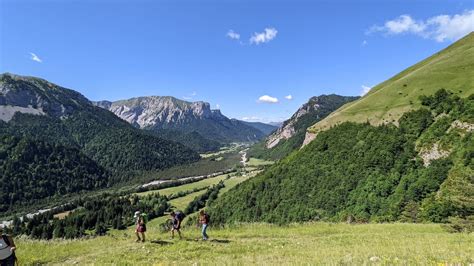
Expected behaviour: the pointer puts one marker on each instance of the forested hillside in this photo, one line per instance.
(419, 171)
(91, 146)
(35, 169)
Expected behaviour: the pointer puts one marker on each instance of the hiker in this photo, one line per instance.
(140, 223)
(7, 249)
(204, 221)
(177, 218)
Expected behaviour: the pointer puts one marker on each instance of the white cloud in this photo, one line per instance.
(34, 57)
(251, 118)
(233, 35)
(190, 96)
(289, 97)
(267, 99)
(365, 90)
(263, 37)
(439, 28)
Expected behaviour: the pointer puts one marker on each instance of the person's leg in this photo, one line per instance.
(172, 233)
(143, 236)
(10, 261)
(179, 232)
(204, 233)
(138, 235)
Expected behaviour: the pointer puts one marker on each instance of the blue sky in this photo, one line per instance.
(189, 49)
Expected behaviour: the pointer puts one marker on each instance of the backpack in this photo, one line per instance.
(144, 217)
(180, 216)
(208, 218)
(5, 238)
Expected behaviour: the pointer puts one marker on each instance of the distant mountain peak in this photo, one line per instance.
(166, 112)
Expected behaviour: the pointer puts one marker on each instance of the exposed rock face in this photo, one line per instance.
(156, 113)
(432, 154)
(462, 125)
(308, 138)
(36, 96)
(315, 109)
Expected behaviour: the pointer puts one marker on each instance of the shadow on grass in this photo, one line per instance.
(161, 242)
(221, 241)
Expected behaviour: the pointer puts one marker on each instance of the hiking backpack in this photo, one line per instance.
(180, 216)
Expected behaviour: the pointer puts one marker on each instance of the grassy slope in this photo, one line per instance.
(318, 243)
(452, 69)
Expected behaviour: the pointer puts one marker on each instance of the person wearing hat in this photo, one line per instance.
(140, 226)
(7, 249)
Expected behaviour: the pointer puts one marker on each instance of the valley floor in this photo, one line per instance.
(314, 243)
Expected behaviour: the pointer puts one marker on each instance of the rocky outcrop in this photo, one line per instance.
(433, 153)
(156, 111)
(314, 110)
(308, 138)
(36, 96)
(163, 113)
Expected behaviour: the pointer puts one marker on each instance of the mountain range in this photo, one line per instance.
(51, 134)
(159, 114)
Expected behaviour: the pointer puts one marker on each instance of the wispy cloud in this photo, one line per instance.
(289, 97)
(267, 99)
(233, 35)
(251, 118)
(34, 57)
(364, 42)
(365, 90)
(218, 106)
(439, 28)
(190, 96)
(263, 37)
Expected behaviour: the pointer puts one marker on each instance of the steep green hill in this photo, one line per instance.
(451, 68)
(376, 173)
(32, 170)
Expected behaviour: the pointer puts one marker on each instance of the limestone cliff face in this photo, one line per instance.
(314, 110)
(36, 96)
(157, 112)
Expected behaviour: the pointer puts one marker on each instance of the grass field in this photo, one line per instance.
(199, 184)
(315, 243)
